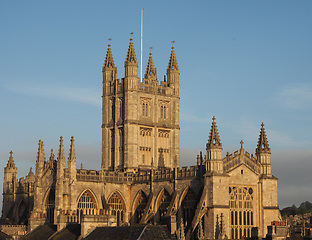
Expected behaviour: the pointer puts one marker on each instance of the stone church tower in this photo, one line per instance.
(140, 181)
(140, 120)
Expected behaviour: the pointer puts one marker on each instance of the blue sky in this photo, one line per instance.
(245, 62)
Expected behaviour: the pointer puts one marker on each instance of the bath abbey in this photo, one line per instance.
(140, 182)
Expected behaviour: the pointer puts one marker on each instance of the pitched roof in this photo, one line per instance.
(4, 236)
(71, 232)
(142, 232)
(42, 232)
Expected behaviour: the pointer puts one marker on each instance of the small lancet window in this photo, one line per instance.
(164, 112)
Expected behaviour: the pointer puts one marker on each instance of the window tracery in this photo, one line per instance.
(163, 148)
(141, 203)
(163, 109)
(145, 148)
(145, 104)
(241, 211)
(117, 207)
(188, 207)
(163, 203)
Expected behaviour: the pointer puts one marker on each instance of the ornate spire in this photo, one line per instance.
(109, 61)
(61, 155)
(52, 156)
(51, 159)
(150, 69)
(131, 57)
(11, 163)
(31, 174)
(263, 145)
(41, 154)
(173, 64)
(214, 139)
(72, 154)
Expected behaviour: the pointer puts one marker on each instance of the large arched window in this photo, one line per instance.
(163, 203)
(117, 207)
(50, 206)
(241, 208)
(139, 206)
(188, 207)
(87, 203)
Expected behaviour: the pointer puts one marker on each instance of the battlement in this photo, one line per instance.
(230, 161)
(163, 88)
(167, 174)
(88, 175)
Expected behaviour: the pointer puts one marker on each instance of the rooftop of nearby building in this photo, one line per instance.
(143, 232)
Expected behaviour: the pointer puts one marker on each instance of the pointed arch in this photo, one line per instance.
(87, 200)
(162, 203)
(22, 211)
(139, 205)
(117, 206)
(187, 203)
(182, 196)
(49, 204)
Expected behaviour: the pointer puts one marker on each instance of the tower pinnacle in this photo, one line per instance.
(214, 138)
(263, 145)
(72, 154)
(131, 57)
(61, 154)
(173, 64)
(109, 61)
(11, 163)
(150, 72)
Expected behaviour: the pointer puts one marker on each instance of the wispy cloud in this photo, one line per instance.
(298, 97)
(68, 93)
(193, 118)
(248, 128)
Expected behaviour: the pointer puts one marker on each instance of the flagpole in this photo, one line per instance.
(141, 43)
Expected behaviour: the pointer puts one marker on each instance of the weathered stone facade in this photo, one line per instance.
(140, 180)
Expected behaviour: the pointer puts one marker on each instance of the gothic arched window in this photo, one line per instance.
(50, 206)
(163, 203)
(140, 204)
(188, 207)
(241, 208)
(86, 203)
(117, 207)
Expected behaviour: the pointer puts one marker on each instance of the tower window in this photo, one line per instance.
(163, 111)
(144, 109)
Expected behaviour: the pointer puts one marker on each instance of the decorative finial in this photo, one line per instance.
(151, 48)
(72, 139)
(213, 118)
(242, 143)
(131, 34)
(109, 42)
(81, 166)
(11, 153)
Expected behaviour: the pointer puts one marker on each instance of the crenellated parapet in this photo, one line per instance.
(231, 161)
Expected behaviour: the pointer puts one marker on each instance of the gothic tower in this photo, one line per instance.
(217, 182)
(263, 153)
(140, 120)
(9, 184)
